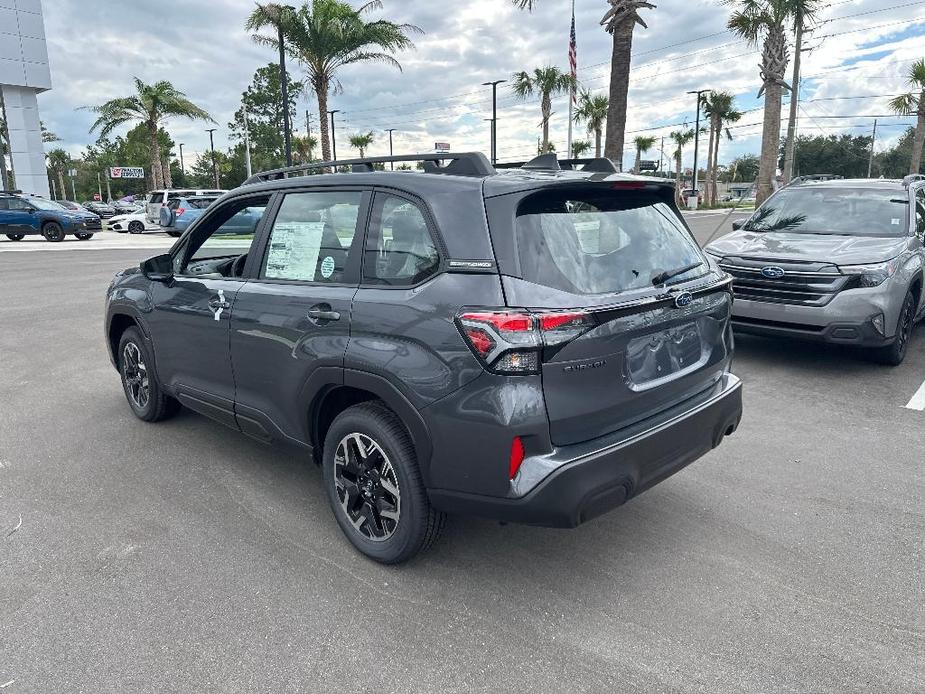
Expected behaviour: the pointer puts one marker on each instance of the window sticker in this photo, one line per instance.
(294, 250)
(895, 221)
(327, 267)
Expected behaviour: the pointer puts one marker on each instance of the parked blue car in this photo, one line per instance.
(22, 216)
(179, 213)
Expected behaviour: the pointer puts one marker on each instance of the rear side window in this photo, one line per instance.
(312, 237)
(602, 241)
(200, 203)
(156, 198)
(400, 250)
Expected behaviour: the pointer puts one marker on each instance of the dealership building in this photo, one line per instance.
(24, 73)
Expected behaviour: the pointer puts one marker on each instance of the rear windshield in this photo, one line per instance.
(818, 209)
(200, 203)
(602, 242)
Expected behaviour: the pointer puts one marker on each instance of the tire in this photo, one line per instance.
(53, 232)
(136, 227)
(84, 237)
(894, 353)
(175, 234)
(391, 481)
(16, 237)
(145, 396)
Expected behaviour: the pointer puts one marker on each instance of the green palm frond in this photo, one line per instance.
(592, 110)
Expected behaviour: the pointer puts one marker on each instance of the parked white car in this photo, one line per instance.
(134, 223)
(157, 199)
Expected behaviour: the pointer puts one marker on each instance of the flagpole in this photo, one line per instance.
(571, 96)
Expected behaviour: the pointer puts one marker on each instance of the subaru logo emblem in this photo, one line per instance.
(773, 272)
(683, 299)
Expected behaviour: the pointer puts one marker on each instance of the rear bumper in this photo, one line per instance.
(585, 484)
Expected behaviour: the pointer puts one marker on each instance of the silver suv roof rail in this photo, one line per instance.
(550, 162)
(814, 178)
(457, 164)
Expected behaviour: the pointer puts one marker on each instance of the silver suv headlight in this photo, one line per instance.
(871, 275)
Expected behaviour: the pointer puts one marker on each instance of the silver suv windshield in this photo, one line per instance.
(837, 210)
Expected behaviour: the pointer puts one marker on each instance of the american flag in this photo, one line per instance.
(573, 57)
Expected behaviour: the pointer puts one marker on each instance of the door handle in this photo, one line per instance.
(322, 314)
(216, 304)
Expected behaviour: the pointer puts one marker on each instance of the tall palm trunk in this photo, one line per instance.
(638, 158)
(619, 87)
(773, 66)
(321, 89)
(156, 170)
(714, 174)
(61, 187)
(708, 192)
(546, 106)
(918, 140)
(597, 143)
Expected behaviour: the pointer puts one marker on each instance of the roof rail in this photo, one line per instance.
(815, 178)
(459, 164)
(911, 178)
(11, 192)
(549, 162)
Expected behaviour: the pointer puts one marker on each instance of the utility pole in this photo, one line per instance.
(99, 186)
(873, 139)
(284, 88)
(73, 175)
(391, 153)
(699, 93)
(182, 167)
(247, 144)
(212, 146)
(494, 117)
(333, 137)
(790, 145)
(661, 151)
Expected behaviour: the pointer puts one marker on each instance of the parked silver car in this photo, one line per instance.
(838, 261)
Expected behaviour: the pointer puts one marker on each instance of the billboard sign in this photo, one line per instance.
(441, 147)
(648, 165)
(126, 172)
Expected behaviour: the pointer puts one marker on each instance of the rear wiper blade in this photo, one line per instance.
(666, 275)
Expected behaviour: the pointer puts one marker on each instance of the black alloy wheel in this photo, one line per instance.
(367, 486)
(53, 232)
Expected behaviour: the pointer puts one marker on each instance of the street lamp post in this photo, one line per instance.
(212, 147)
(391, 153)
(698, 92)
(494, 117)
(182, 167)
(333, 137)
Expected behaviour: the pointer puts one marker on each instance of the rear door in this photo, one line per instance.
(623, 341)
(291, 321)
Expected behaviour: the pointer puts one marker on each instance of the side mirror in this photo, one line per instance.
(159, 268)
(738, 224)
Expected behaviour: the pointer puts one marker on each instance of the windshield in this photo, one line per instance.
(603, 242)
(817, 209)
(45, 204)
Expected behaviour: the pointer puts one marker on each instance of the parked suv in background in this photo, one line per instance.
(22, 216)
(537, 346)
(103, 209)
(837, 261)
(159, 198)
(179, 213)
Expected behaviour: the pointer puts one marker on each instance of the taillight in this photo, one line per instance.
(180, 211)
(517, 457)
(511, 341)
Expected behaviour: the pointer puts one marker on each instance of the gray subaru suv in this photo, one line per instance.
(837, 261)
(537, 345)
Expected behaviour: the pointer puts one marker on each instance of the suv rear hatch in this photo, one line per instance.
(626, 331)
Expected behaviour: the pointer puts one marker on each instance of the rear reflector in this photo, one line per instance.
(517, 456)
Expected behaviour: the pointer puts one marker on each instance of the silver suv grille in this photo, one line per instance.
(802, 283)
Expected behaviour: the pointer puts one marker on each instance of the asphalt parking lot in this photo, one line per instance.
(185, 557)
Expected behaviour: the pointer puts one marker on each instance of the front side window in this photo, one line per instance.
(602, 241)
(224, 236)
(836, 210)
(920, 213)
(312, 237)
(400, 250)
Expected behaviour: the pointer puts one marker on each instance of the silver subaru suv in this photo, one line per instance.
(837, 261)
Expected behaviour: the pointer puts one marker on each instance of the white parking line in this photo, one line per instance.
(918, 400)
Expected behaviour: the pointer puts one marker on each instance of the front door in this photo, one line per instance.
(192, 313)
(18, 216)
(290, 324)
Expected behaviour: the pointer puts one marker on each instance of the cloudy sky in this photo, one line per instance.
(860, 53)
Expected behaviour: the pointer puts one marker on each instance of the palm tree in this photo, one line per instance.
(151, 104)
(325, 35)
(619, 21)
(767, 21)
(59, 161)
(643, 144)
(719, 108)
(361, 141)
(579, 147)
(681, 138)
(548, 82)
(912, 103)
(302, 148)
(592, 110)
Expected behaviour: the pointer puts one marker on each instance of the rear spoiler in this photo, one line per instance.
(550, 162)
